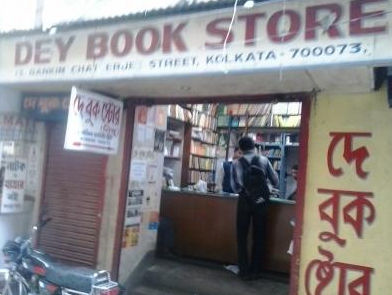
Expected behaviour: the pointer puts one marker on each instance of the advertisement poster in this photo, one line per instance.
(32, 170)
(153, 221)
(94, 123)
(159, 142)
(131, 236)
(13, 186)
(138, 171)
(152, 173)
(133, 213)
(160, 118)
(141, 114)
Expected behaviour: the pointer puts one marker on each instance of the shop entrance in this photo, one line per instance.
(195, 200)
(72, 197)
(198, 217)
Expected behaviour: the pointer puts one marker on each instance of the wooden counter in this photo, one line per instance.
(204, 227)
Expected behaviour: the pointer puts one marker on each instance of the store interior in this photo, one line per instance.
(199, 214)
(205, 135)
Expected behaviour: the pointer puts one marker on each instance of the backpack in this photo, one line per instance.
(226, 183)
(255, 184)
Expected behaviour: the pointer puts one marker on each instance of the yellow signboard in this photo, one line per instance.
(347, 229)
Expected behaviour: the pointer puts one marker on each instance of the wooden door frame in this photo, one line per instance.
(304, 98)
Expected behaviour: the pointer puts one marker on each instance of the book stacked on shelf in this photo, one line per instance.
(195, 176)
(243, 121)
(276, 153)
(204, 136)
(198, 163)
(244, 109)
(286, 121)
(203, 150)
(210, 109)
(203, 120)
(177, 112)
(174, 135)
(172, 148)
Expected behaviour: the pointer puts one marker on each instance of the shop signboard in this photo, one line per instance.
(94, 122)
(346, 229)
(12, 197)
(272, 35)
(47, 107)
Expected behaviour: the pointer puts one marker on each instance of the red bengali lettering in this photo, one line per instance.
(353, 213)
(352, 280)
(358, 155)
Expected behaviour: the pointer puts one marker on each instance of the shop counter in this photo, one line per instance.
(205, 227)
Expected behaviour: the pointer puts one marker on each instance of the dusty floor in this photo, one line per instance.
(167, 277)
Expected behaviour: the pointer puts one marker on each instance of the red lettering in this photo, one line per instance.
(358, 155)
(23, 53)
(140, 40)
(250, 27)
(273, 26)
(127, 37)
(312, 21)
(357, 17)
(41, 51)
(173, 36)
(97, 45)
(64, 47)
(214, 29)
(321, 273)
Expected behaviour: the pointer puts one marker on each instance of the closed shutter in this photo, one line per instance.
(73, 198)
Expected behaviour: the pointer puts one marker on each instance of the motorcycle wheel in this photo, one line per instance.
(14, 287)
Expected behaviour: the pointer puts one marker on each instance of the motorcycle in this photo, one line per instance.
(32, 272)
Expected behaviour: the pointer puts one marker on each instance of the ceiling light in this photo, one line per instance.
(249, 4)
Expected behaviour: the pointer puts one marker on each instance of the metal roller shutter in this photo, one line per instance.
(73, 198)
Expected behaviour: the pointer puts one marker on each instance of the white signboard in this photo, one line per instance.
(13, 186)
(94, 122)
(272, 35)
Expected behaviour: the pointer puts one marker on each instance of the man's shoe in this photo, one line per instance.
(244, 276)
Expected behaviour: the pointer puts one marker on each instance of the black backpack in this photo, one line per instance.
(255, 184)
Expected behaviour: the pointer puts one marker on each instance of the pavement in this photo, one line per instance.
(168, 277)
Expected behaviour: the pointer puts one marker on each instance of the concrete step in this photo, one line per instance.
(192, 279)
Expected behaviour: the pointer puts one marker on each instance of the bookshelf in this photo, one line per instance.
(203, 146)
(174, 147)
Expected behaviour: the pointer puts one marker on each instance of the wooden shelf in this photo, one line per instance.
(268, 144)
(203, 142)
(174, 139)
(262, 129)
(202, 170)
(176, 121)
(173, 158)
(205, 157)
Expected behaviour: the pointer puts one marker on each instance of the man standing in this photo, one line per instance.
(252, 173)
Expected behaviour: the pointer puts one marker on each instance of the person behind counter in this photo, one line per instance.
(291, 184)
(225, 180)
(249, 210)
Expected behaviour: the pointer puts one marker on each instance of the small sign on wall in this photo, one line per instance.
(94, 122)
(14, 181)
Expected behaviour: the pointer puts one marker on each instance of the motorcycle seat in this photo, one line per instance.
(75, 278)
